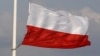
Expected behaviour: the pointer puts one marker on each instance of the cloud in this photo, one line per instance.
(90, 13)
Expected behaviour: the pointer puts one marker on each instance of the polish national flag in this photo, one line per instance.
(55, 29)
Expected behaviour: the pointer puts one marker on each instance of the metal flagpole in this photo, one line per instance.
(14, 28)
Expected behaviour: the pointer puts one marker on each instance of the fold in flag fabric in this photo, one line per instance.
(55, 29)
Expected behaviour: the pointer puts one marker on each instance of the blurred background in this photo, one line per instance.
(89, 8)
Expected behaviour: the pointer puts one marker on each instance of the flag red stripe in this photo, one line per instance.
(53, 39)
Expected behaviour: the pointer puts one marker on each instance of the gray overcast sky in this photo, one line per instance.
(88, 8)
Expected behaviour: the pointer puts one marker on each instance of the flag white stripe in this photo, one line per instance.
(63, 22)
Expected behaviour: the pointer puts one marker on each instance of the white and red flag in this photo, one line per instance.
(55, 29)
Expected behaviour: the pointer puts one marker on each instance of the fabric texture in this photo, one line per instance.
(55, 29)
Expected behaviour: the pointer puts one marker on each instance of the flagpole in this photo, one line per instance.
(14, 28)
